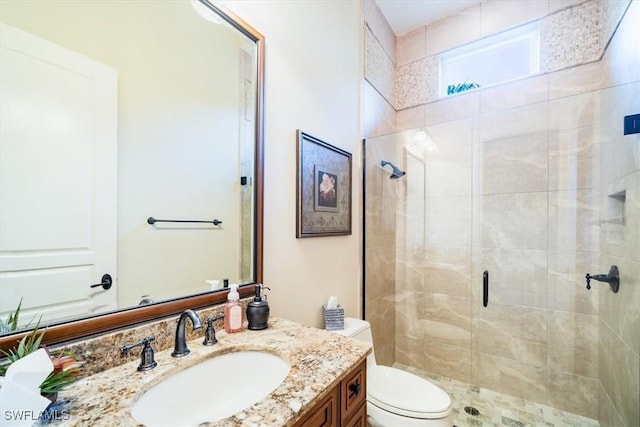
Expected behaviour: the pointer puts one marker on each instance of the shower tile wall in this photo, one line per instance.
(619, 321)
(382, 205)
(521, 185)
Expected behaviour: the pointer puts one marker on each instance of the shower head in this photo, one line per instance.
(396, 173)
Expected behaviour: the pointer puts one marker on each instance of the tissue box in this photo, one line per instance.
(333, 318)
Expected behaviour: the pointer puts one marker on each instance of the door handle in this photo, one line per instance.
(485, 288)
(106, 282)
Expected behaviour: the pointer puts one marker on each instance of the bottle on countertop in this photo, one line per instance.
(258, 311)
(233, 311)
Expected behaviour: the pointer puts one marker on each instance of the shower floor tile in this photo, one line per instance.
(497, 409)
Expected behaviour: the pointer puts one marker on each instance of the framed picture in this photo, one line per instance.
(323, 189)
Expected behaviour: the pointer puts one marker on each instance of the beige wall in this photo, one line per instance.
(312, 83)
(515, 187)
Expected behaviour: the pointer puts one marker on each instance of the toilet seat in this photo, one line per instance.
(406, 394)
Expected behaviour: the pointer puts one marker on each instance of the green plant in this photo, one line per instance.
(461, 87)
(11, 324)
(27, 345)
(66, 369)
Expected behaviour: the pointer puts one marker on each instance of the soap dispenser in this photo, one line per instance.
(233, 311)
(258, 311)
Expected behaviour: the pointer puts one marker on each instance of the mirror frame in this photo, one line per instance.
(89, 326)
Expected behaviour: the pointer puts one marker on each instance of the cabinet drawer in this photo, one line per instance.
(325, 413)
(353, 391)
(359, 418)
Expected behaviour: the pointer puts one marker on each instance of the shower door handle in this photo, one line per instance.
(485, 288)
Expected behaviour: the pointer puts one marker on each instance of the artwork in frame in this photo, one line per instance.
(323, 189)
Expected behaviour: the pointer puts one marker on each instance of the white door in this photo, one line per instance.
(58, 179)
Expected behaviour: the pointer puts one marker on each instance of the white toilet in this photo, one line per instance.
(397, 398)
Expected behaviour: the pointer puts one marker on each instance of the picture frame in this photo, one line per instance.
(323, 188)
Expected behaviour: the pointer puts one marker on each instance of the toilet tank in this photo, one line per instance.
(360, 330)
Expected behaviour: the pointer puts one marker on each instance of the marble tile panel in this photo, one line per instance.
(516, 276)
(513, 165)
(607, 414)
(500, 15)
(620, 310)
(454, 133)
(448, 271)
(574, 220)
(619, 373)
(381, 312)
(408, 306)
(409, 271)
(514, 122)
(379, 68)
(457, 107)
(454, 30)
(631, 227)
(566, 283)
(385, 332)
(446, 319)
(511, 377)
(448, 222)
(574, 111)
(380, 271)
(571, 36)
(573, 393)
(576, 80)
(380, 232)
(378, 115)
(411, 118)
(448, 171)
(379, 26)
(513, 332)
(414, 82)
(411, 46)
(434, 357)
(511, 221)
(573, 346)
(515, 94)
(574, 158)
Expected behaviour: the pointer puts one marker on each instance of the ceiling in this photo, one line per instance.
(406, 15)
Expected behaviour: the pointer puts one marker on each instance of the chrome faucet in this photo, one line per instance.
(180, 348)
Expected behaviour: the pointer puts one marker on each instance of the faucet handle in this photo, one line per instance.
(147, 360)
(210, 333)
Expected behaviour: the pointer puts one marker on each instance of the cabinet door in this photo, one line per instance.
(325, 413)
(353, 391)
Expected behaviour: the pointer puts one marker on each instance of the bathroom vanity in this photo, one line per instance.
(343, 406)
(325, 384)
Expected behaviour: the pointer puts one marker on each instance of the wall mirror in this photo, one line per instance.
(131, 161)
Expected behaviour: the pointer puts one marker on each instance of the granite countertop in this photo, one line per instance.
(318, 359)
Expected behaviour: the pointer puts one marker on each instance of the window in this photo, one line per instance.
(510, 55)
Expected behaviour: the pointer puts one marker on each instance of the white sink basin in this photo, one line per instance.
(211, 390)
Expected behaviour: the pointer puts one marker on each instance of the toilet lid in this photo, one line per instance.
(406, 394)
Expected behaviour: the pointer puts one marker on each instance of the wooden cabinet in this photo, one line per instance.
(344, 406)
